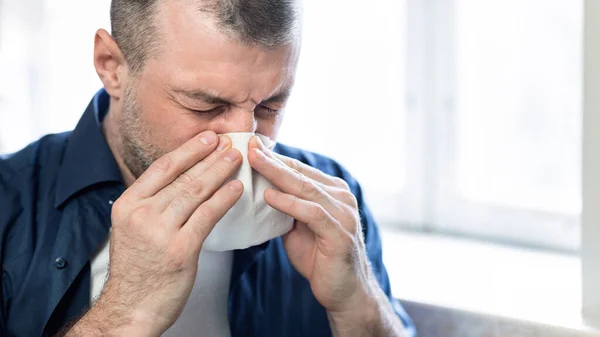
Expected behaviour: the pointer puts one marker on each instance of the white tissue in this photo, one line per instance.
(250, 221)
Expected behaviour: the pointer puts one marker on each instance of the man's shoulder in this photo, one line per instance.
(43, 152)
(21, 169)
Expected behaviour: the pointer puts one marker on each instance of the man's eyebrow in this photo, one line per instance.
(202, 96)
(280, 97)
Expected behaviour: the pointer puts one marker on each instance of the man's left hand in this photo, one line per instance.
(326, 244)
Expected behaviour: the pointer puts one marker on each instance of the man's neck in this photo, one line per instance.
(110, 130)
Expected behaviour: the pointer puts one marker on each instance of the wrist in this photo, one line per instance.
(372, 316)
(361, 313)
(107, 317)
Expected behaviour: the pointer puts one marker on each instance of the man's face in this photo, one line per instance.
(201, 80)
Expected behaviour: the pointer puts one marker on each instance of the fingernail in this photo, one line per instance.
(231, 155)
(269, 193)
(208, 138)
(236, 185)
(224, 143)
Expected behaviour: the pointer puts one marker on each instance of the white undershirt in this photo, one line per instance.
(205, 310)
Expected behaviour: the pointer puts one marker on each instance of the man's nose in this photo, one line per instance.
(238, 121)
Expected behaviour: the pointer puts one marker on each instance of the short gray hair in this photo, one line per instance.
(267, 23)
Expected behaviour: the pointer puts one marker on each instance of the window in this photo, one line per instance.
(505, 119)
(517, 121)
(458, 116)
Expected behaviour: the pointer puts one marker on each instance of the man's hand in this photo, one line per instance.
(326, 244)
(158, 227)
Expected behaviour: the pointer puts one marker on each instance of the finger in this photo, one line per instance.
(336, 187)
(312, 172)
(164, 170)
(205, 217)
(196, 170)
(343, 195)
(290, 181)
(164, 197)
(256, 143)
(295, 242)
(316, 218)
(299, 166)
(191, 195)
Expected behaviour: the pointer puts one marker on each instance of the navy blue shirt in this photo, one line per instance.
(55, 205)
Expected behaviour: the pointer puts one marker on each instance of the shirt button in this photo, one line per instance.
(60, 263)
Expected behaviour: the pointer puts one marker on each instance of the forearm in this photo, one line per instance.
(375, 317)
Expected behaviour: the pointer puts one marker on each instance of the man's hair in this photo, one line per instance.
(267, 23)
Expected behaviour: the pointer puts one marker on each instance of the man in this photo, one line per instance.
(146, 168)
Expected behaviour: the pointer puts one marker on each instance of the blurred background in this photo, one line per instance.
(461, 119)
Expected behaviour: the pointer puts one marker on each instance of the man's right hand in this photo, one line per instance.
(158, 227)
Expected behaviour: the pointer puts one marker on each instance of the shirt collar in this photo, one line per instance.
(88, 159)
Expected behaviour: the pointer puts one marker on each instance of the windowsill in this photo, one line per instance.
(462, 282)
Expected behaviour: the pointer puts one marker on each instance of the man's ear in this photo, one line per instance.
(110, 64)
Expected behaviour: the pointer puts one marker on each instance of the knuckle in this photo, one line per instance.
(296, 172)
(185, 178)
(319, 213)
(206, 215)
(164, 164)
(194, 187)
(307, 187)
(294, 165)
(339, 182)
(316, 212)
(140, 215)
(350, 199)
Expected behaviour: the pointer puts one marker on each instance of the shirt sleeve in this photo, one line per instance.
(374, 252)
